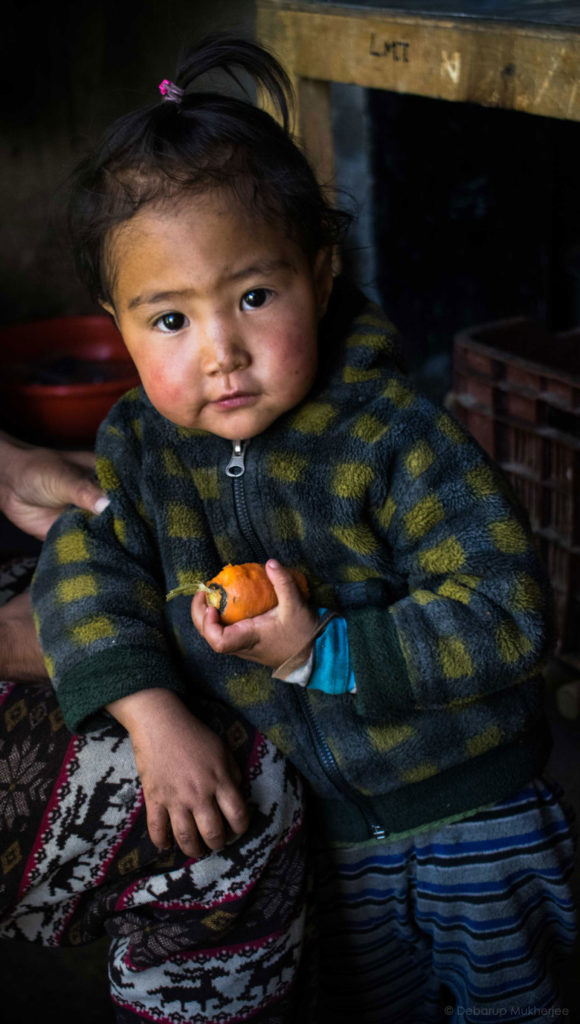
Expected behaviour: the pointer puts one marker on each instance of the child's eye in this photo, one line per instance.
(255, 298)
(169, 323)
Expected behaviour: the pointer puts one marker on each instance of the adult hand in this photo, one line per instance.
(36, 484)
(20, 654)
(268, 639)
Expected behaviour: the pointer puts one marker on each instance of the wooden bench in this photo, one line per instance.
(522, 56)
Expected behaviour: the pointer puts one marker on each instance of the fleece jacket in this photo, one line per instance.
(400, 522)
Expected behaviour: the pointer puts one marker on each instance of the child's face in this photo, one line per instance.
(219, 311)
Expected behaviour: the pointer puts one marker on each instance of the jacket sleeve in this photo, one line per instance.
(464, 607)
(98, 595)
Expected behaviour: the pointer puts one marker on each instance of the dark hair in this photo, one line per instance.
(202, 141)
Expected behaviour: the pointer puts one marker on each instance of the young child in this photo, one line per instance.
(275, 425)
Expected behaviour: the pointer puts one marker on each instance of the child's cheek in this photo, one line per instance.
(165, 390)
(300, 360)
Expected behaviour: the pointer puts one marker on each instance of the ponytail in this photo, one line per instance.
(192, 141)
(224, 53)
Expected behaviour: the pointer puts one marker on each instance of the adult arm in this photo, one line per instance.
(36, 484)
(20, 654)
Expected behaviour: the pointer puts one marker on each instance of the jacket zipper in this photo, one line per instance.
(330, 767)
(236, 469)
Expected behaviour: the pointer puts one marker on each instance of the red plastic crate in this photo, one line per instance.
(520, 354)
(517, 389)
(563, 565)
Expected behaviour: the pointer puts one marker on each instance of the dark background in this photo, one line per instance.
(474, 213)
(478, 218)
(68, 69)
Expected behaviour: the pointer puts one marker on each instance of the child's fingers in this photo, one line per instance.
(240, 636)
(207, 622)
(211, 825)
(287, 590)
(205, 828)
(232, 804)
(199, 607)
(267, 639)
(223, 639)
(195, 834)
(158, 826)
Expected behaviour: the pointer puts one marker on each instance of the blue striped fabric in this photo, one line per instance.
(462, 923)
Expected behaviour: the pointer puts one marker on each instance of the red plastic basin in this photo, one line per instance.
(60, 377)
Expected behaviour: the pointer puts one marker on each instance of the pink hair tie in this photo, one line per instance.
(171, 91)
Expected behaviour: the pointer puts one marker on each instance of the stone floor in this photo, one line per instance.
(71, 984)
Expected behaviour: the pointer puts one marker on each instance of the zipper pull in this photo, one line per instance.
(236, 465)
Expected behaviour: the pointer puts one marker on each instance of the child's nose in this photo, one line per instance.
(224, 352)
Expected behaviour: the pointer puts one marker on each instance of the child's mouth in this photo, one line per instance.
(234, 400)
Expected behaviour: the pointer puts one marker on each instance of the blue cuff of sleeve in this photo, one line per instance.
(332, 671)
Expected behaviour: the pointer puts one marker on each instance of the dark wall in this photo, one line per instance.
(69, 68)
(477, 218)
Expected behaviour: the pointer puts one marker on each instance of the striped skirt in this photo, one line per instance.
(465, 922)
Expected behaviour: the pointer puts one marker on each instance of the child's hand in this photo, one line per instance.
(269, 639)
(190, 779)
